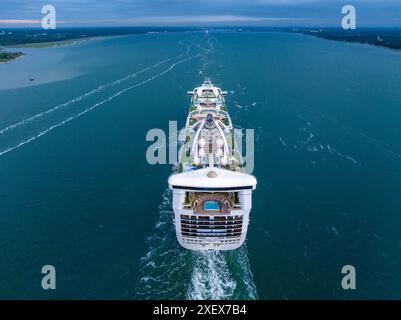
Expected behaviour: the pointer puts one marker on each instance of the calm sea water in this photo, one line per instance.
(76, 191)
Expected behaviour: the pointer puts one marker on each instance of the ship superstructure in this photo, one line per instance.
(212, 194)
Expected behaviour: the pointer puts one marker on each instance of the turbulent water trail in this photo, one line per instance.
(222, 275)
(169, 271)
(211, 277)
(165, 266)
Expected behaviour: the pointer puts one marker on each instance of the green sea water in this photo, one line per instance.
(77, 192)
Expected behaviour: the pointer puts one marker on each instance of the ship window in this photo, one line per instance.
(220, 218)
(211, 206)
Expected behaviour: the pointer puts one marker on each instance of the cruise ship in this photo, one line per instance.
(212, 194)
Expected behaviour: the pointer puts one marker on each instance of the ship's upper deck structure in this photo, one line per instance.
(211, 192)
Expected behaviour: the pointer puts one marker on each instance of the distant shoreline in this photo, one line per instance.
(377, 38)
(384, 38)
(30, 37)
(50, 44)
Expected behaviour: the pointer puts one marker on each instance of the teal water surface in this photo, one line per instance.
(77, 193)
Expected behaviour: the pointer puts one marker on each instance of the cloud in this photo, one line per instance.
(201, 19)
(119, 12)
(19, 21)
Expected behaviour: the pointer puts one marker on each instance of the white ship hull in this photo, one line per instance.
(212, 195)
(192, 233)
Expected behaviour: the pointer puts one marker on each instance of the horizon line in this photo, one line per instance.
(200, 27)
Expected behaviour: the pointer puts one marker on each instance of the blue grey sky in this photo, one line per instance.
(21, 13)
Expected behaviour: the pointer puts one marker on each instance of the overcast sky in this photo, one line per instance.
(14, 13)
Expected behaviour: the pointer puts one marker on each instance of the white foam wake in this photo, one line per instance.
(211, 278)
(221, 276)
(97, 90)
(165, 261)
(85, 95)
(169, 271)
(51, 128)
